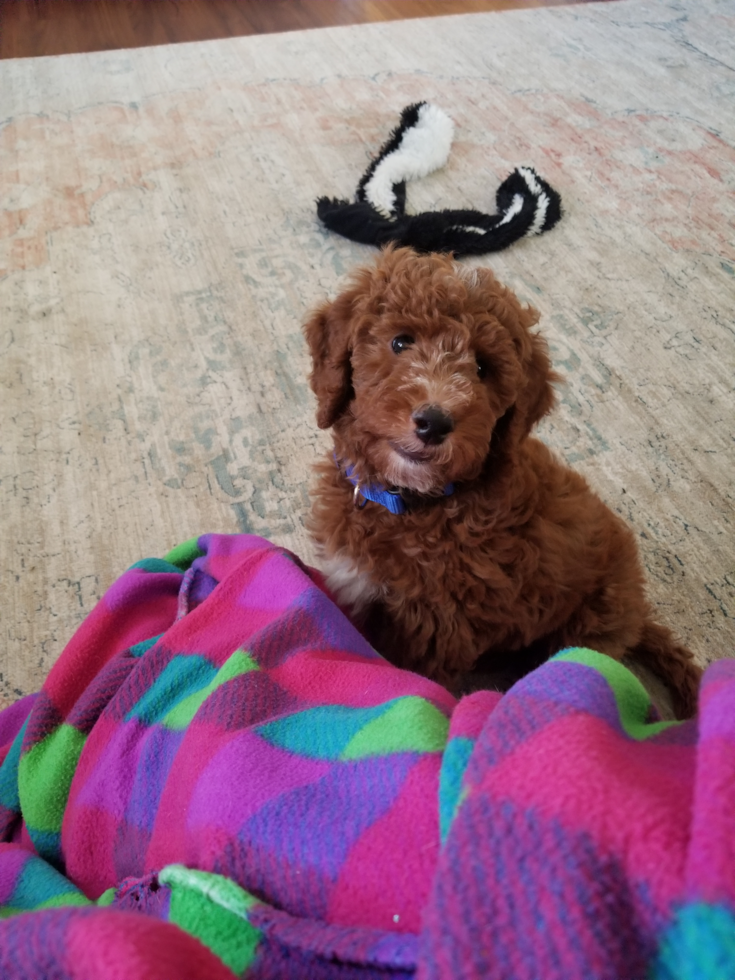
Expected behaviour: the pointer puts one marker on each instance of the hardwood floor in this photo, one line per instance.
(29, 28)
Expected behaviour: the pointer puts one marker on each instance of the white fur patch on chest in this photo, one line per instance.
(354, 590)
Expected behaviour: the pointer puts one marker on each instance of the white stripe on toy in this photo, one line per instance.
(542, 200)
(515, 208)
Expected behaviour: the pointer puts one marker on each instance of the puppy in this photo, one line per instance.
(445, 529)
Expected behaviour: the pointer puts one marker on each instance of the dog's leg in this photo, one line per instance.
(653, 647)
(658, 650)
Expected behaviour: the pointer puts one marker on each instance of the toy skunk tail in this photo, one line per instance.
(526, 204)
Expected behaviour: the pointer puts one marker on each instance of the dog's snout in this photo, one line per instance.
(433, 424)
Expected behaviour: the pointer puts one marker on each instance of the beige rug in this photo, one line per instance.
(159, 249)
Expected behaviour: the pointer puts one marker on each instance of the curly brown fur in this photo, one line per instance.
(523, 555)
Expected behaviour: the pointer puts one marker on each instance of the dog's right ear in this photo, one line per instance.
(329, 336)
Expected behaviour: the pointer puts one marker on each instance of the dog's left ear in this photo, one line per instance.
(537, 396)
(329, 335)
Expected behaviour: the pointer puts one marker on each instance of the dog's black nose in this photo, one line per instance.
(433, 424)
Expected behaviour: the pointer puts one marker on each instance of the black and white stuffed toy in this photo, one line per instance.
(420, 144)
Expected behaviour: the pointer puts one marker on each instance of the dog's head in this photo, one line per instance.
(421, 366)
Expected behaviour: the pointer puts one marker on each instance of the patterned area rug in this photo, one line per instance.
(159, 249)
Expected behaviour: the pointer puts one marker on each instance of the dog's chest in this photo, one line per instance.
(430, 559)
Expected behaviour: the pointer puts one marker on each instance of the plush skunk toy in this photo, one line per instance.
(526, 204)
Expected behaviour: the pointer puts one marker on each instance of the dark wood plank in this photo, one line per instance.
(30, 28)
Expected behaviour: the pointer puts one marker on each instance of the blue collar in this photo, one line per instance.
(390, 499)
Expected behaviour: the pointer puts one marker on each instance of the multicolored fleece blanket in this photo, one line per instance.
(220, 778)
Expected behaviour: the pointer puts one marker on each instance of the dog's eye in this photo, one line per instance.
(401, 342)
(482, 368)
